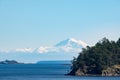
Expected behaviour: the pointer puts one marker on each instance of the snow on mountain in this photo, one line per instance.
(70, 45)
(47, 49)
(64, 50)
(25, 50)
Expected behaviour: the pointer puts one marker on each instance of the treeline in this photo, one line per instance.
(95, 59)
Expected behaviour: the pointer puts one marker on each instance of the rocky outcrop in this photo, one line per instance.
(79, 72)
(112, 71)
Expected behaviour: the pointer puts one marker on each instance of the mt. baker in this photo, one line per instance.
(70, 45)
(64, 50)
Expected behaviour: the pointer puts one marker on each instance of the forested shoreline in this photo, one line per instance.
(97, 59)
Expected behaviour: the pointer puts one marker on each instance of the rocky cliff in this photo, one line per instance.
(110, 71)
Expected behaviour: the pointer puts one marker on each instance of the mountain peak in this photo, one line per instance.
(67, 45)
(72, 39)
(72, 42)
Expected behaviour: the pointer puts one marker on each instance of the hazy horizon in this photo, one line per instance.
(36, 23)
(27, 23)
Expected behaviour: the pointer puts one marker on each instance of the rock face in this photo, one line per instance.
(112, 71)
(79, 72)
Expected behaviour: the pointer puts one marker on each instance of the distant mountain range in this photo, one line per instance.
(68, 45)
(63, 50)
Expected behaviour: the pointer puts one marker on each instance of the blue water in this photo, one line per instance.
(42, 72)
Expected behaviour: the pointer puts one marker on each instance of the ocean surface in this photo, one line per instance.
(41, 72)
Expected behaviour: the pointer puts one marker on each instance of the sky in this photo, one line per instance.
(32, 23)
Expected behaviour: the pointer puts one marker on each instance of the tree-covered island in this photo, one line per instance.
(103, 59)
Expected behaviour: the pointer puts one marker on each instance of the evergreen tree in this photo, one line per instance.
(93, 60)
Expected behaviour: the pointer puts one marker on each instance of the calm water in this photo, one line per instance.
(42, 72)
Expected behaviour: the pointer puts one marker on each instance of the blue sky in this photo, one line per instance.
(32, 23)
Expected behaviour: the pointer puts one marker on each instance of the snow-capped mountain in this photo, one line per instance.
(65, 46)
(71, 42)
(68, 45)
(64, 50)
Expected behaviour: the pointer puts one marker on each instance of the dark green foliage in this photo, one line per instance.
(93, 60)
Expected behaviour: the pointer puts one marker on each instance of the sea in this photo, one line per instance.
(42, 72)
